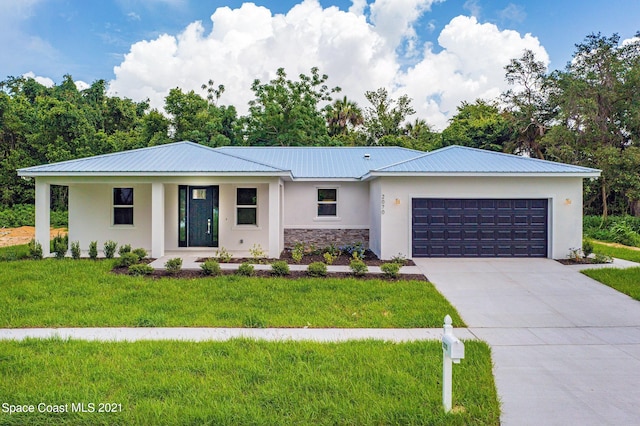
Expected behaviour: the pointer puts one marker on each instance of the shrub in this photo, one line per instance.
(332, 250)
(110, 249)
(223, 255)
(60, 245)
(245, 269)
(329, 258)
(391, 269)
(317, 269)
(358, 267)
(124, 249)
(602, 258)
(127, 259)
(298, 252)
(35, 249)
(257, 254)
(400, 259)
(624, 234)
(173, 266)
(587, 247)
(140, 252)
(211, 267)
(75, 250)
(140, 269)
(355, 251)
(280, 268)
(93, 250)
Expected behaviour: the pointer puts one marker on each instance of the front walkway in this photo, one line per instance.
(566, 349)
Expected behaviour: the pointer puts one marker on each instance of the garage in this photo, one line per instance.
(443, 227)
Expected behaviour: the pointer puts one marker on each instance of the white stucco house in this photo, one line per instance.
(455, 201)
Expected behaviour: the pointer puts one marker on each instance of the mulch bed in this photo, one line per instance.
(190, 274)
(370, 259)
(580, 261)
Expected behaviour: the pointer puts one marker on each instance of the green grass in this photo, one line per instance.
(626, 280)
(617, 252)
(246, 382)
(14, 252)
(83, 293)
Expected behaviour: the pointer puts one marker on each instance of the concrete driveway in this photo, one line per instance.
(566, 349)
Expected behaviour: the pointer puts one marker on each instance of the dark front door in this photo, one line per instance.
(479, 227)
(203, 216)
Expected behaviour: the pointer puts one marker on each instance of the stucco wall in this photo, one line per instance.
(91, 216)
(564, 195)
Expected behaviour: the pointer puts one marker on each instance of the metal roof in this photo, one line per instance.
(325, 162)
(183, 158)
(464, 160)
(175, 158)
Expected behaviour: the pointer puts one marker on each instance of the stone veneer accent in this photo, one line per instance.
(324, 237)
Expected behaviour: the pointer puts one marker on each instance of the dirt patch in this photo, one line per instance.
(24, 234)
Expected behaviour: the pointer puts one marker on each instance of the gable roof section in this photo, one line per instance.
(172, 159)
(325, 162)
(459, 160)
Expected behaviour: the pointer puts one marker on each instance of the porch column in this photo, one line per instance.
(157, 220)
(274, 219)
(43, 215)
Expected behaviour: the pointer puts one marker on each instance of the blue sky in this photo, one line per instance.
(88, 39)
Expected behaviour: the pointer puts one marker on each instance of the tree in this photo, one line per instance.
(342, 116)
(530, 114)
(286, 112)
(478, 125)
(385, 115)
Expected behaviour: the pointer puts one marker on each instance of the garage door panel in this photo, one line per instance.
(479, 227)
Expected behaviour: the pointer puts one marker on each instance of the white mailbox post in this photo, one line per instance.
(452, 351)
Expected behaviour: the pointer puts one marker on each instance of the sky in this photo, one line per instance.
(438, 52)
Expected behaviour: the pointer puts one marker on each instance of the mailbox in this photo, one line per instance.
(453, 347)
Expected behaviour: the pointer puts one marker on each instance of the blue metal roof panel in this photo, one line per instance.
(180, 157)
(459, 159)
(325, 162)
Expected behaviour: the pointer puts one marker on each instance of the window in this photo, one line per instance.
(327, 202)
(123, 206)
(247, 206)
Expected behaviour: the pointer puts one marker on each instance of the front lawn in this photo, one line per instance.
(83, 293)
(243, 382)
(620, 252)
(626, 280)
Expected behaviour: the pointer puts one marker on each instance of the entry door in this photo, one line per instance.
(203, 216)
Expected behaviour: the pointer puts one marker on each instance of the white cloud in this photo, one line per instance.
(514, 13)
(45, 81)
(250, 42)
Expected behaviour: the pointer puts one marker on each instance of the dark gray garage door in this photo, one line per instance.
(479, 228)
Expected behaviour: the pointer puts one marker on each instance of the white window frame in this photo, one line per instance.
(336, 202)
(246, 206)
(114, 206)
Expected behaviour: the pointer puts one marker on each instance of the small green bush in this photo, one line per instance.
(390, 270)
(93, 250)
(211, 267)
(223, 255)
(110, 249)
(280, 268)
(75, 250)
(400, 259)
(257, 254)
(587, 247)
(317, 269)
(602, 258)
(329, 258)
(245, 269)
(127, 259)
(35, 249)
(298, 252)
(140, 252)
(124, 249)
(358, 267)
(59, 246)
(173, 266)
(140, 269)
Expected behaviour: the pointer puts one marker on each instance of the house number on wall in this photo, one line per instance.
(382, 204)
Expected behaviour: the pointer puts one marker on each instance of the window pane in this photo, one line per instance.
(247, 216)
(123, 216)
(122, 196)
(182, 216)
(247, 196)
(327, 209)
(327, 194)
(199, 194)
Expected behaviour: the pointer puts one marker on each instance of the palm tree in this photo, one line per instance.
(342, 114)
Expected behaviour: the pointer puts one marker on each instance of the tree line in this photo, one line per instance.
(587, 114)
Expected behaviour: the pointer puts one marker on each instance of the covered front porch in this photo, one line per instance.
(169, 214)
